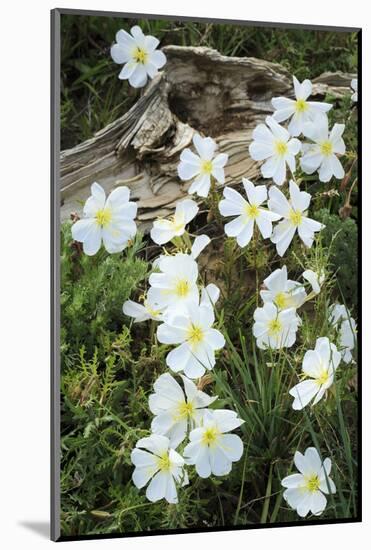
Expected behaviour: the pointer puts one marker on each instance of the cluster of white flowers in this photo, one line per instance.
(187, 429)
(185, 311)
(186, 315)
(279, 146)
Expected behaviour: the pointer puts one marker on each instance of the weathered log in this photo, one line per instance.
(199, 90)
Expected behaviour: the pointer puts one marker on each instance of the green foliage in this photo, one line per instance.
(93, 292)
(92, 95)
(342, 237)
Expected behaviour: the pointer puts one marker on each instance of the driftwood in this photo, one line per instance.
(199, 90)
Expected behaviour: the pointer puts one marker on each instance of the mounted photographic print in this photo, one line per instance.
(205, 290)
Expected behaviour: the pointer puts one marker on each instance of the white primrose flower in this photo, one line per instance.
(139, 55)
(321, 155)
(176, 284)
(294, 216)
(354, 86)
(110, 221)
(175, 411)
(165, 230)
(276, 147)
(273, 328)
(160, 464)
(142, 312)
(305, 492)
(299, 109)
(211, 448)
(283, 292)
(347, 330)
(315, 279)
(319, 365)
(248, 212)
(200, 167)
(198, 340)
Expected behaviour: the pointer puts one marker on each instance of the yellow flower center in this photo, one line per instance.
(206, 167)
(323, 377)
(326, 148)
(281, 300)
(195, 335)
(163, 463)
(151, 311)
(140, 56)
(252, 211)
(301, 105)
(281, 148)
(178, 223)
(295, 217)
(185, 410)
(209, 436)
(103, 217)
(182, 288)
(312, 483)
(274, 327)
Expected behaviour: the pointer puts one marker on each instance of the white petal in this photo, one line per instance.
(128, 70)
(292, 481)
(303, 393)
(337, 168)
(125, 38)
(200, 186)
(188, 208)
(120, 54)
(230, 208)
(260, 151)
(158, 59)
(189, 157)
(277, 202)
(93, 240)
(219, 462)
(257, 194)
(325, 171)
(244, 237)
(278, 131)
(178, 358)
(199, 244)
(156, 490)
(215, 338)
(282, 236)
(205, 146)
(234, 228)
(157, 444)
(300, 200)
(209, 294)
(232, 446)
(187, 171)
(318, 503)
(151, 43)
(313, 459)
(168, 388)
(138, 78)
(265, 225)
(311, 161)
(138, 311)
(203, 467)
(168, 334)
(226, 420)
(220, 160)
(171, 494)
(305, 89)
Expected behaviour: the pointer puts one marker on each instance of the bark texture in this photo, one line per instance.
(199, 90)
